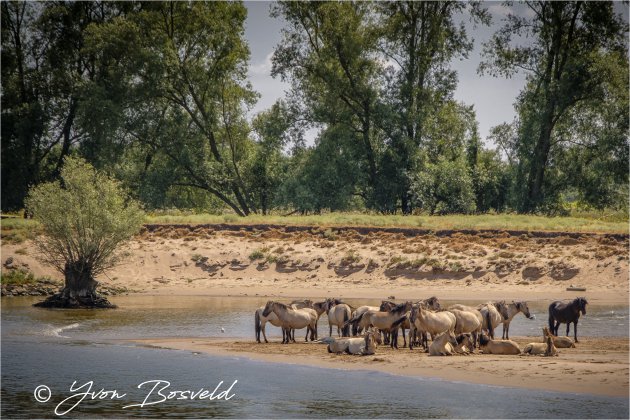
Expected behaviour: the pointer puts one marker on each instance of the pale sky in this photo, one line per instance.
(493, 98)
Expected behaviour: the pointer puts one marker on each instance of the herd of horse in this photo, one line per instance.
(456, 329)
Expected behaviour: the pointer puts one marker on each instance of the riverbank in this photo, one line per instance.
(597, 366)
(286, 262)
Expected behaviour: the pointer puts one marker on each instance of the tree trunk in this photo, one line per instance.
(78, 292)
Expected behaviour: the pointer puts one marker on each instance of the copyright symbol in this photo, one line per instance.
(42, 394)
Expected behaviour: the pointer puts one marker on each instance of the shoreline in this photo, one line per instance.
(592, 368)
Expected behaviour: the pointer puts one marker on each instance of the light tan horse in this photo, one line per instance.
(512, 310)
(291, 318)
(387, 321)
(489, 346)
(260, 321)
(493, 313)
(429, 322)
(547, 348)
(443, 344)
(355, 316)
(365, 345)
(339, 315)
(468, 322)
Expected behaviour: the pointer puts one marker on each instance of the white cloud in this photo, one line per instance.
(262, 68)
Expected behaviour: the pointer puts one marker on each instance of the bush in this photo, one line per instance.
(444, 187)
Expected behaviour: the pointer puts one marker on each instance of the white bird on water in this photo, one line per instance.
(222, 329)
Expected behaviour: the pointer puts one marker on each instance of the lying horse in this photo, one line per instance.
(489, 346)
(358, 345)
(566, 313)
(547, 348)
(291, 318)
(443, 345)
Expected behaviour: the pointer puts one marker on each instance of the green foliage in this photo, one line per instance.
(257, 255)
(85, 217)
(572, 126)
(444, 187)
(17, 277)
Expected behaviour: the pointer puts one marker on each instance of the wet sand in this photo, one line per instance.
(597, 366)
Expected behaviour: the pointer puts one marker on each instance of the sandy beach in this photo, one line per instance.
(597, 366)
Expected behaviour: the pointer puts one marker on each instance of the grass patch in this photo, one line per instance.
(257, 255)
(21, 277)
(15, 230)
(350, 258)
(582, 222)
(198, 258)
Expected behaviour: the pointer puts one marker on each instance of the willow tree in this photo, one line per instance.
(85, 218)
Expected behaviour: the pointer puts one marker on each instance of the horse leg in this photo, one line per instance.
(504, 332)
(293, 334)
(262, 328)
(404, 339)
(575, 330)
(308, 329)
(569, 327)
(330, 330)
(555, 329)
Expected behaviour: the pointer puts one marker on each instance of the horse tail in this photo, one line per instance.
(355, 320)
(551, 320)
(489, 321)
(257, 324)
(346, 326)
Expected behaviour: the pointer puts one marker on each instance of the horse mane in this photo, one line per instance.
(282, 305)
(399, 308)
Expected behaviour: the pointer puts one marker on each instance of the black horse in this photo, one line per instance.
(562, 312)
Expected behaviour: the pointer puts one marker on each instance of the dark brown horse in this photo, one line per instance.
(566, 313)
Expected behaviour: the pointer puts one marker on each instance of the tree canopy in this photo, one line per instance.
(156, 94)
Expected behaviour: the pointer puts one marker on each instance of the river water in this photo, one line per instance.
(57, 347)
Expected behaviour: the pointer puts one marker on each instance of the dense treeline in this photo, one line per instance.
(156, 93)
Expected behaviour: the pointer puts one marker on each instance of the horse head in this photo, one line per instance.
(522, 306)
(268, 308)
(433, 303)
(581, 304)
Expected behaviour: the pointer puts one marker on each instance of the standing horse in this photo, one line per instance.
(513, 309)
(355, 316)
(260, 321)
(494, 313)
(386, 321)
(338, 314)
(566, 313)
(433, 323)
(468, 322)
(291, 318)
